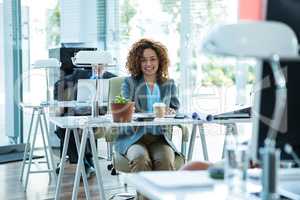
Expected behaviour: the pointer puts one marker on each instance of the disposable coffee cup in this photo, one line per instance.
(159, 110)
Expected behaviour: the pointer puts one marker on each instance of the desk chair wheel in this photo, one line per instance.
(124, 196)
(114, 172)
(110, 167)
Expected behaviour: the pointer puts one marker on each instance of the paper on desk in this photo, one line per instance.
(178, 179)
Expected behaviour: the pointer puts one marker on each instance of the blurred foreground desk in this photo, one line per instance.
(197, 185)
(179, 185)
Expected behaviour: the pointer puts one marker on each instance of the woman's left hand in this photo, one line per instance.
(170, 111)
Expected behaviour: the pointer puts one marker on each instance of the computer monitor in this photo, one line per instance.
(263, 108)
(286, 11)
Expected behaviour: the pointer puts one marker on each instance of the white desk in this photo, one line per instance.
(86, 123)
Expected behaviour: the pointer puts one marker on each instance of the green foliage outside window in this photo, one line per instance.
(217, 75)
(127, 12)
(53, 27)
(223, 75)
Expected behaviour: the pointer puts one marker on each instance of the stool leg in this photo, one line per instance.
(49, 146)
(62, 164)
(31, 150)
(45, 149)
(83, 172)
(79, 163)
(27, 145)
(98, 171)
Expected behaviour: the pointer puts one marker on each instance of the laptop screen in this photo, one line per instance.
(86, 90)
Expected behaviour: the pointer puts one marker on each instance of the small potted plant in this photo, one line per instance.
(122, 109)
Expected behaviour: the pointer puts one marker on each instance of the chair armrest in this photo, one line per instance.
(111, 134)
(184, 132)
(184, 139)
(99, 132)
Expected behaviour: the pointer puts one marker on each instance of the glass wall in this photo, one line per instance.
(42, 32)
(35, 38)
(3, 138)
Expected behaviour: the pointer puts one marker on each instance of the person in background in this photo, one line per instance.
(98, 73)
(63, 88)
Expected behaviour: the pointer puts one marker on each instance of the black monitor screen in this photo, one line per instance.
(286, 11)
(290, 127)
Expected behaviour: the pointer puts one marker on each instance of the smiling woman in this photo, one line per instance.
(148, 63)
(148, 148)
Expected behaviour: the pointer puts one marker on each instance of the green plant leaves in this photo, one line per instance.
(119, 99)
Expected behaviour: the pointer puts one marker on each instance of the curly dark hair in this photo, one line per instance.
(135, 56)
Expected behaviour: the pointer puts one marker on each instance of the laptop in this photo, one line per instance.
(236, 114)
(86, 90)
(290, 189)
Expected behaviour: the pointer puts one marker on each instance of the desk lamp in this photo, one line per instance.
(96, 60)
(260, 40)
(47, 64)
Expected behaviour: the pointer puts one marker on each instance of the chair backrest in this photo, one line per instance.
(114, 88)
(252, 39)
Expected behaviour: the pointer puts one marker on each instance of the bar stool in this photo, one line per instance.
(38, 119)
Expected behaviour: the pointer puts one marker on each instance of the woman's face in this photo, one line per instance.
(149, 62)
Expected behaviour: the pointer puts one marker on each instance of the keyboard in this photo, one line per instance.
(236, 114)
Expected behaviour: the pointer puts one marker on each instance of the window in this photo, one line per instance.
(181, 25)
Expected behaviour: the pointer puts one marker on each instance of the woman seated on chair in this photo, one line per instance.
(147, 148)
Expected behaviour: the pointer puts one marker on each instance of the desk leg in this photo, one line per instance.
(192, 142)
(62, 164)
(49, 146)
(79, 163)
(96, 161)
(203, 142)
(27, 145)
(83, 172)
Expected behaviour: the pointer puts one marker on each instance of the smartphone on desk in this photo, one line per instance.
(180, 116)
(142, 117)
